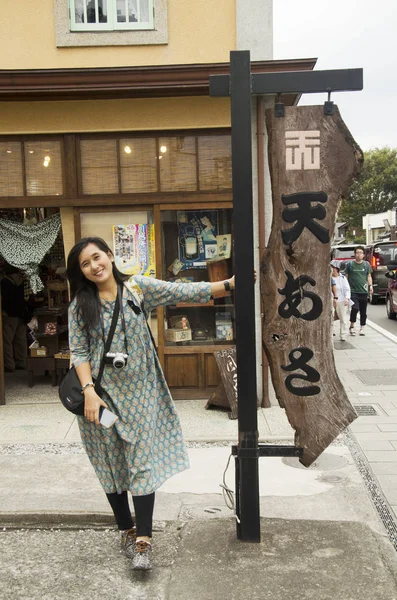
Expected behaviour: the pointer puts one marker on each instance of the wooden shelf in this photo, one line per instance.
(190, 367)
(210, 304)
(197, 349)
(60, 329)
(192, 304)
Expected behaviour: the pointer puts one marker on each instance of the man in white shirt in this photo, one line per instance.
(341, 298)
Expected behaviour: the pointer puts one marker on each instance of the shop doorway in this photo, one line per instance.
(34, 299)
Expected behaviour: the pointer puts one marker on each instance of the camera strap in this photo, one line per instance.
(120, 288)
(109, 339)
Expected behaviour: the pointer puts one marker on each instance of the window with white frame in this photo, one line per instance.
(110, 15)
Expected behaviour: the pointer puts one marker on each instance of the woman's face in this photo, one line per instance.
(205, 221)
(335, 272)
(96, 265)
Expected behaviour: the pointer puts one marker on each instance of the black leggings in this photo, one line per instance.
(143, 506)
(360, 304)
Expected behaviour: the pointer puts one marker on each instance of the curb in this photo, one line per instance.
(65, 521)
(31, 446)
(56, 520)
(214, 439)
(383, 331)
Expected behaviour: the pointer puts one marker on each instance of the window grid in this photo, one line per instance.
(31, 167)
(106, 17)
(43, 168)
(178, 163)
(124, 164)
(11, 169)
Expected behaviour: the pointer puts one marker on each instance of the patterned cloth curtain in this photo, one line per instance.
(24, 246)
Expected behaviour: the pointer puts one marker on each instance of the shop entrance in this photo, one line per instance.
(34, 298)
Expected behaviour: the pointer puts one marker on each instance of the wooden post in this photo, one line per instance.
(313, 161)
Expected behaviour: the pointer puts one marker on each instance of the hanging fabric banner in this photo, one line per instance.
(313, 161)
(24, 246)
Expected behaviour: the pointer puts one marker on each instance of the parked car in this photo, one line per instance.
(391, 294)
(380, 255)
(343, 253)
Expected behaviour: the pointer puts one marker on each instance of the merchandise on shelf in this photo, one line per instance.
(224, 326)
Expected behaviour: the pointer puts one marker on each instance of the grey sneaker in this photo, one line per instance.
(141, 558)
(128, 539)
(352, 331)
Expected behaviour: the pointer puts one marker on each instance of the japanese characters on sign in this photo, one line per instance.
(304, 210)
(302, 147)
(304, 216)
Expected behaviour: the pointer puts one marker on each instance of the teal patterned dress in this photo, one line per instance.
(145, 447)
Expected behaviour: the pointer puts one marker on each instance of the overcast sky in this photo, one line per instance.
(347, 34)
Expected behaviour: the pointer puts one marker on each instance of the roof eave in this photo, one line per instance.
(128, 82)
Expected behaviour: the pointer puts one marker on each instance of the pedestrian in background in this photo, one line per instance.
(341, 298)
(358, 272)
(145, 446)
(15, 314)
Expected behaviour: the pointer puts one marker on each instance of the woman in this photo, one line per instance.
(145, 446)
(341, 298)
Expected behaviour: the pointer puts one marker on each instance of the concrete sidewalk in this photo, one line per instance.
(321, 536)
(327, 531)
(198, 560)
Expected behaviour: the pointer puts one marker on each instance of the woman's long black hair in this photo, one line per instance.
(85, 291)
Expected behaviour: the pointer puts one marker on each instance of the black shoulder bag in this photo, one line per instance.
(69, 391)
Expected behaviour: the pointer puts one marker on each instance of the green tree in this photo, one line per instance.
(375, 190)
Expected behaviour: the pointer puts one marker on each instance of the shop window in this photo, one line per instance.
(43, 164)
(108, 15)
(197, 246)
(133, 165)
(138, 163)
(99, 166)
(11, 174)
(178, 164)
(215, 162)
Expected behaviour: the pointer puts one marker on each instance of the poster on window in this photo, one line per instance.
(197, 232)
(133, 248)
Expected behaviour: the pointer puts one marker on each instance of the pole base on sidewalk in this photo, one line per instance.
(247, 500)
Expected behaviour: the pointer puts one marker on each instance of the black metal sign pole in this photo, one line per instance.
(247, 494)
(240, 85)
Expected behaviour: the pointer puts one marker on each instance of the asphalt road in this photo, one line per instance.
(377, 314)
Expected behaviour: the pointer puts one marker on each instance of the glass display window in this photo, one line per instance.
(197, 246)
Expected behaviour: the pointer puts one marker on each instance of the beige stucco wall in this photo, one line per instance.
(114, 115)
(199, 32)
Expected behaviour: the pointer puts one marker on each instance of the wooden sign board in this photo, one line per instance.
(226, 393)
(313, 160)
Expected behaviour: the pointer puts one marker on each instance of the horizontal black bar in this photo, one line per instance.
(308, 82)
(266, 450)
(302, 82)
(219, 85)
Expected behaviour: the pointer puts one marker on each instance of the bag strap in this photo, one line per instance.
(109, 339)
(147, 325)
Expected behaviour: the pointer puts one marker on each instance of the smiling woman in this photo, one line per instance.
(144, 447)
